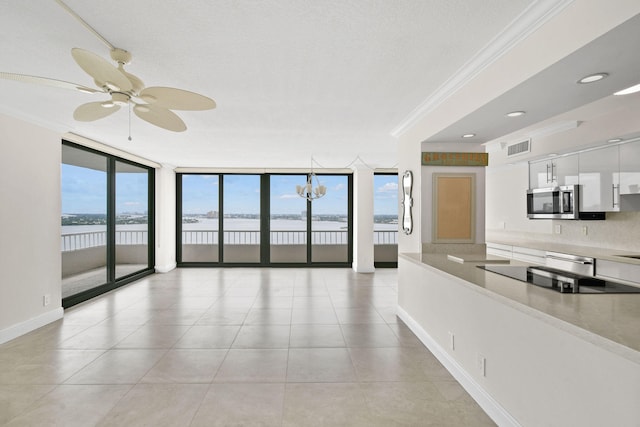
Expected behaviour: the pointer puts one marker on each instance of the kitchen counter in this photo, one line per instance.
(529, 356)
(610, 321)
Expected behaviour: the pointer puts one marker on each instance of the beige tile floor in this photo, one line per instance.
(239, 347)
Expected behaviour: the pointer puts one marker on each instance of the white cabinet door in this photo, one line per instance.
(566, 170)
(562, 170)
(540, 174)
(630, 168)
(599, 180)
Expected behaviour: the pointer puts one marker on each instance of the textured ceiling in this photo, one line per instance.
(292, 79)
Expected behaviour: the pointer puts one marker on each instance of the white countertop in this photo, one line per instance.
(610, 321)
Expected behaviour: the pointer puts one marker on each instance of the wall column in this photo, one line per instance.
(165, 219)
(363, 220)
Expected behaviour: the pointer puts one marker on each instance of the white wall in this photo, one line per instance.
(30, 227)
(165, 219)
(506, 200)
(363, 220)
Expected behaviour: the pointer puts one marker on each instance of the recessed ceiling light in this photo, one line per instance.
(515, 114)
(592, 78)
(629, 90)
(613, 140)
(468, 135)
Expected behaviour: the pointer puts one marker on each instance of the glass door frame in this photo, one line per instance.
(265, 229)
(383, 264)
(113, 282)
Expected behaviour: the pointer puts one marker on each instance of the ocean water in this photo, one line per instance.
(235, 224)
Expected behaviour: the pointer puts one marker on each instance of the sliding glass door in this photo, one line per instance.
(330, 226)
(262, 221)
(132, 219)
(288, 220)
(107, 222)
(84, 221)
(241, 219)
(385, 220)
(199, 218)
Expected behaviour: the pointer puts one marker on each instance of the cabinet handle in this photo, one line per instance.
(613, 194)
(575, 261)
(548, 173)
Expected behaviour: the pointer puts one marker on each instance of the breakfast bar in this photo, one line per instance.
(528, 355)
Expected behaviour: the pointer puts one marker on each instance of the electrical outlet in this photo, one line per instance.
(585, 230)
(452, 341)
(558, 229)
(46, 300)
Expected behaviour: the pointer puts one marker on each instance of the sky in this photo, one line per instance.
(242, 194)
(84, 191)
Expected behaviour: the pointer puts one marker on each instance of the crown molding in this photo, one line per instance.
(532, 18)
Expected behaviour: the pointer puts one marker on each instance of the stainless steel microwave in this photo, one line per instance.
(558, 203)
(554, 203)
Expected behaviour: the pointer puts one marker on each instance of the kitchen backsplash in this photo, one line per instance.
(620, 231)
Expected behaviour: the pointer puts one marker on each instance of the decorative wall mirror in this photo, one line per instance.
(407, 202)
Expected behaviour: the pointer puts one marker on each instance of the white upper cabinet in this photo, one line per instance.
(562, 170)
(630, 168)
(600, 180)
(609, 176)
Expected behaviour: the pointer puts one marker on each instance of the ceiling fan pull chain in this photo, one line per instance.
(129, 122)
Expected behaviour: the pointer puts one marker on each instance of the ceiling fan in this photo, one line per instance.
(152, 104)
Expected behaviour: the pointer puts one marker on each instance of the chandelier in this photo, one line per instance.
(308, 191)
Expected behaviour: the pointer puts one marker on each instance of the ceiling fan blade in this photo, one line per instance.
(93, 111)
(160, 117)
(176, 99)
(101, 70)
(46, 82)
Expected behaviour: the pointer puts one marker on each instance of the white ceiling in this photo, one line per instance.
(292, 78)
(333, 79)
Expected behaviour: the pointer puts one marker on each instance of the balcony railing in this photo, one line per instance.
(77, 241)
(92, 239)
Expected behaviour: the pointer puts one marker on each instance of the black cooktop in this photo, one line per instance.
(560, 281)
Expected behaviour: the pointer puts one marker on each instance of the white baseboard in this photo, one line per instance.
(165, 268)
(27, 326)
(497, 413)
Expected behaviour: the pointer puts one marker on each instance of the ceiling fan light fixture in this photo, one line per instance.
(111, 86)
(108, 104)
(629, 90)
(142, 108)
(515, 114)
(592, 78)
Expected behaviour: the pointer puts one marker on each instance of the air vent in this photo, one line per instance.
(518, 148)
